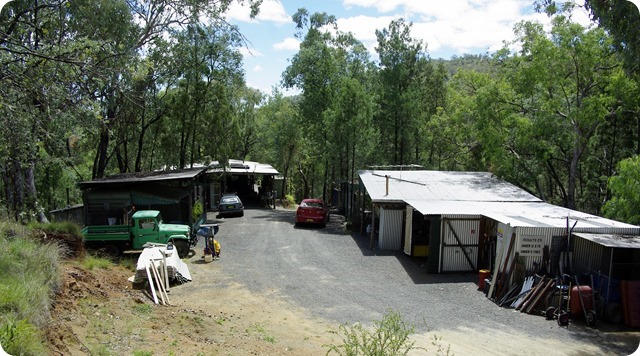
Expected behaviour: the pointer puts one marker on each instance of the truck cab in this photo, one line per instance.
(145, 226)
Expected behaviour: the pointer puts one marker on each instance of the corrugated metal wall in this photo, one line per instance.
(459, 256)
(587, 256)
(390, 234)
(547, 233)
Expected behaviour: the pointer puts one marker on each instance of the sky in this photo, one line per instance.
(448, 28)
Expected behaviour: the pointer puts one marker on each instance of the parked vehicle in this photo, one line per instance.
(312, 211)
(145, 226)
(230, 204)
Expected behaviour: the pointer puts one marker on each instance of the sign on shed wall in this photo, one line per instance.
(530, 246)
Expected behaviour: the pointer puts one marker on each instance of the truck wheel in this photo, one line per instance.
(182, 247)
(109, 250)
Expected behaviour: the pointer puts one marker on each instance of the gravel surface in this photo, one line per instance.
(333, 274)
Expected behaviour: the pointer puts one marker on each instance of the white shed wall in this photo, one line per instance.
(453, 257)
(390, 234)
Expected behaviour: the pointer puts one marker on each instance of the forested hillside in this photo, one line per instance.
(93, 88)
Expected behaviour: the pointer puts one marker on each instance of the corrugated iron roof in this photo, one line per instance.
(521, 214)
(612, 240)
(243, 167)
(145, 177)
(476, 193)
(440, 186)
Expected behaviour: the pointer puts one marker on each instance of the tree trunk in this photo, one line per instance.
(100, 162)
(18, 186)
(30, 182)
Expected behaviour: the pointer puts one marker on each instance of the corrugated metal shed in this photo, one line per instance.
(401, 186)
(140, 177)
(610, 258)
(242, 167)
(471, 194)
(612, 240)
(390, 237)
(522, 214)
(478, 193)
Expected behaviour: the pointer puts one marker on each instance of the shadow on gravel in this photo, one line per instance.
(279, 215)
(416, 267)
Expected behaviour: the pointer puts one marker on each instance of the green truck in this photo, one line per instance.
(144, 226)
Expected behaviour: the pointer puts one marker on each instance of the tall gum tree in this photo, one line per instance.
(399, 54)
(562, 85)
(313, 70)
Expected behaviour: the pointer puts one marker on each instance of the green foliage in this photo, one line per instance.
(288, 201)
(624, 204)
(82, 100)
(64, 227)
(91, 262)
(21, 337)
(143, 309)
(540, 119)
(197, 210)
(29, 275)
(622, 21)
(390, 336)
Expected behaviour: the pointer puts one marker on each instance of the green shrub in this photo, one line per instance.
(390, 336)
(197, 210)
(288, 201)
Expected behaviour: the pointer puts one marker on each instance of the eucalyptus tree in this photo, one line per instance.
(246, 105)
(157, 20)
(52, 57)
(453, 130)
(313, 70)
(207, 66)
(621, 19)
(75, 74)
(565, 85)
(401, 58)
(279, 135)
(353, 135)
(333, 71)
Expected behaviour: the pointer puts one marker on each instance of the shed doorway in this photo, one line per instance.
(460, 244)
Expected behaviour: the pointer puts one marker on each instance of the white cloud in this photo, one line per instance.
(454, 26)
(381, 6)
(270, 11)
(249, 52)
(288, 44)
(257, 68)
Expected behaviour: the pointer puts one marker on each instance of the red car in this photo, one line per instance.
(312, 211)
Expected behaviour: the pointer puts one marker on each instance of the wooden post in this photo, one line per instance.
(373, 225)
(153, 288)
(154, 272)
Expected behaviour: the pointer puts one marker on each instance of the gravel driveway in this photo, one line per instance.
(333, 274)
